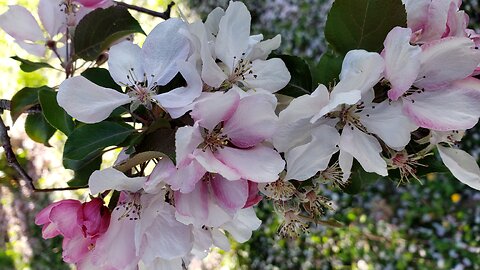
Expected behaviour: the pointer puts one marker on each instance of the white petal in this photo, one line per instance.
(113, 179)
(456, 107)
(402, 61)
(462, 165)
(388, 122)
(161, 264)
(306, 160)
(213, 21)
(32, 48)
(19, 23)
(263, 49)
(361, 70)
(417, 13)
(125, 63)
(162, 171)
(52, 16)
(336, 99)
(233, 35)
(163, 48)
(364, 148)
(271, 75)
(292, 134)
(305, 106)
(187, 139)
(345, 161)
(212, 164)
(242, 225)
(446, 60)
(258, 164)
(182, 96)
(87, 101)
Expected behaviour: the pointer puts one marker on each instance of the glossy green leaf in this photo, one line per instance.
(359, 179)
(100, 28)
(363, 24)
(30, 66)
(38, 129)
(83, 169)
(301, 81)
(55, 115)
(101, 76)
(161, 140)
(326, 72)
(89, 139)
(24, 100)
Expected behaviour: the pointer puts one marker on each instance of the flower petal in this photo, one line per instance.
(306, 160)
(163, 48)
(253, 122)
(446, 60)
(402, 61)
(455, 107)
(258, 164)
(387, 120)
(242, 225)
(271, 75)
(162, 171)
(64, 216)
(187, 139)
(52, 16)
(182, 96)
(110, 178)
(193, 204)
(186, 177)
(125, 63)
(233, 35)
(462, 165)
(230, 195)
(19, 23)
(215, 108)
(212, 164)
(263, 49)
(364, 148)
(87, 101)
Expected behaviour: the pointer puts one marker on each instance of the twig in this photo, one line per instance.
(164, 15)
(5, 104)
(13, 162)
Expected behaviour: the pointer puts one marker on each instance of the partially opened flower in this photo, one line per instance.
(140, 70)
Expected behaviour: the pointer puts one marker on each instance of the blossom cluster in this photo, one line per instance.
(387, 112)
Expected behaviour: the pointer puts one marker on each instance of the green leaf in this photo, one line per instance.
(30, 66)
(24, 100)
(161, 140)
(99, 29)
(363, 24)
(359, 179)
(84, 169)
(38, 129)
(326, 72)
(301, 81)
(102, 77)
(55, 115)
(89, 139)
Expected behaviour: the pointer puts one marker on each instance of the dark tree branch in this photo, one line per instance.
(5, 104)
(13, 162)
(164, 15)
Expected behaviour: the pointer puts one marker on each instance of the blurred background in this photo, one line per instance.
(430, 225)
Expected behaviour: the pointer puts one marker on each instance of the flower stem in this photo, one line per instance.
(164, 15)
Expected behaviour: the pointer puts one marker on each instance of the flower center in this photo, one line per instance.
(214, 139)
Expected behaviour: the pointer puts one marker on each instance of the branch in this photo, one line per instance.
(164, 15)
(13, 162)
(5, 104)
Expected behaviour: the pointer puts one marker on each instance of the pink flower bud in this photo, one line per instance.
(94, 218)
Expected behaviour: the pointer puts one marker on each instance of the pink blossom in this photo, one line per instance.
(79, 223)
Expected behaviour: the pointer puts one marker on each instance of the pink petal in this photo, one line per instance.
(456, 107)
(446, 60)
(230, 195)
(193, 204)
(402, 61)
(187, 139)
(64, 216)
(258, 164)
(253, 122)
(75, 249)
(214, 109)
(253, 196)
(212, 164)
(186, 177)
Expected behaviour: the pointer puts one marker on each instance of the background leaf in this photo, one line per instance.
(100, 28)
(53, 113)
(30, 66)
(38, 129)
(301, 81)
(363, 24)
(101, 77)
(24, 100)
(326, 72)
(88, 139)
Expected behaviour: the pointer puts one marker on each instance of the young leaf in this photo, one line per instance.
(101, 76)
(88, 139)
(301, 81)
(100, 28)
(55, 115)
(24, 100)
(363, 24)
(38, 129)
(30, 66)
